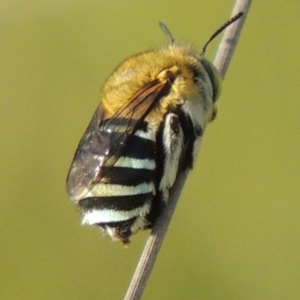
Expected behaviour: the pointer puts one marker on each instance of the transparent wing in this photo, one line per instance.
(105, 139)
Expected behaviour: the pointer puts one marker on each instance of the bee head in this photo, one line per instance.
(209, 67)
(211, 70)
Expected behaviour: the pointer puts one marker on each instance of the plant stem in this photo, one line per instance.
(155, 240)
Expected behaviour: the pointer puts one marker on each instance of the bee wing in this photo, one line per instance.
(103, 141)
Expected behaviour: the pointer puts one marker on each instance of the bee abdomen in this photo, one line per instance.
(125, 190)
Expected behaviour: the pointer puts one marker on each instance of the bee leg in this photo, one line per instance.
(172, 140)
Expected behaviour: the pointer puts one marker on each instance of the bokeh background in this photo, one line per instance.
(235, 233)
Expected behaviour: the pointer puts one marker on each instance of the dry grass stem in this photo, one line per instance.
(155, 240)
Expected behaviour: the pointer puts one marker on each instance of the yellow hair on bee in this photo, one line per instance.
(141, 69)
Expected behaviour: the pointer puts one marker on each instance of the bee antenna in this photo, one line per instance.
(225, 25)
(166, 31)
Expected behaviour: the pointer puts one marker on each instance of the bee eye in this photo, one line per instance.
(214, 77)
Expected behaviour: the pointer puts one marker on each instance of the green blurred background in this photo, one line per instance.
(235, 233)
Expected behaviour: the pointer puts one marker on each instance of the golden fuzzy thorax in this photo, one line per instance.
(137, 71)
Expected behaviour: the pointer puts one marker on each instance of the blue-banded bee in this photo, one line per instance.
(148, 127)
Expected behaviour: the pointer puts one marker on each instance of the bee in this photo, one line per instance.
(148, 127)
